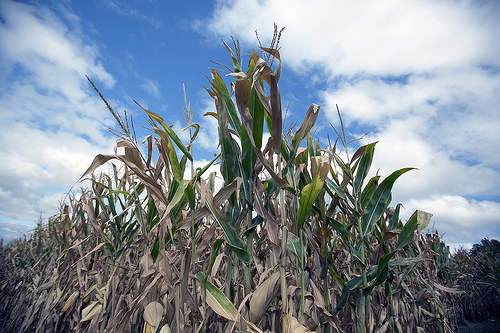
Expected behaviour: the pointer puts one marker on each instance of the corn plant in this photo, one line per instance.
(297, 239)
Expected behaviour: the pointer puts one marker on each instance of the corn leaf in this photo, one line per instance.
(219, 302)
(231, 237)
(335, 188)
(379, 201)
(308, 195)
(408, 231)
(169, 132)
(293, 244)
(262, 297)
(153, 314)
(276, 117)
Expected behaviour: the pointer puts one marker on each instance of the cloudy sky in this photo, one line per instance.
(422, 77)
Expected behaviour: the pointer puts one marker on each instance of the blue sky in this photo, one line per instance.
(423, 77)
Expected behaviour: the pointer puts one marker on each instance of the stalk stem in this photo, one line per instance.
(366, 318)
(284, 236)
(302, 277)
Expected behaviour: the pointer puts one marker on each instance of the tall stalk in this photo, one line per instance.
(284, 237)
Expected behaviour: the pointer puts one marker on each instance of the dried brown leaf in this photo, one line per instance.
(263, 296)
(90, 311)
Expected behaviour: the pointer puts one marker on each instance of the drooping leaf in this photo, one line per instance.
(262, 297)
(219, 302)
(350, 285)
(180, 192)
(232, 238)
(99, 160)
(226, 102)
(423, 219)
(336, 188)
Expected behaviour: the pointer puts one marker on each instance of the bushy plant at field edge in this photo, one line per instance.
(476, 272)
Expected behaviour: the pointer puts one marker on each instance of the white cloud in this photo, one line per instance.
(122, 8)
(461, 220)
(13, 230)
(422, 76)
(151, 86)
(208, 138)
(351, 37)
(52, 120)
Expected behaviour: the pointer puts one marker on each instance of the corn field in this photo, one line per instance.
(295, 238)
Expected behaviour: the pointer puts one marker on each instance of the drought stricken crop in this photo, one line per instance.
(297, 237)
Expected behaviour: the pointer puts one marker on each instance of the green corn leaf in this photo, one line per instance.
(228, 105)
(120, 192)
(364, 166)
(257, 111)
(180, 192)
(379, 201)
(335, 188)
(368, 191)
(406, 235)
(383, 269)
(191, 196)
(248, 156)
(393, 223)
(293, 244)
(170, 151)
(339, 227)
(231, 237)
(344, 167)
(219, 302)
(236, 64)
(308, 195)
(227, 160)
(213, 255)
(200, 172)
(251, 63)
(350, 285)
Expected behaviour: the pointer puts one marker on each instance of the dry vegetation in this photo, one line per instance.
(297, 238)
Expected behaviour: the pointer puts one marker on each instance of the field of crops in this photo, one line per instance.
(296, 237)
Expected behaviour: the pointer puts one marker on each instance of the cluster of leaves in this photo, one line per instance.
(297, 238)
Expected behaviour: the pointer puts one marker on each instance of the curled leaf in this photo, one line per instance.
(153, 313)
